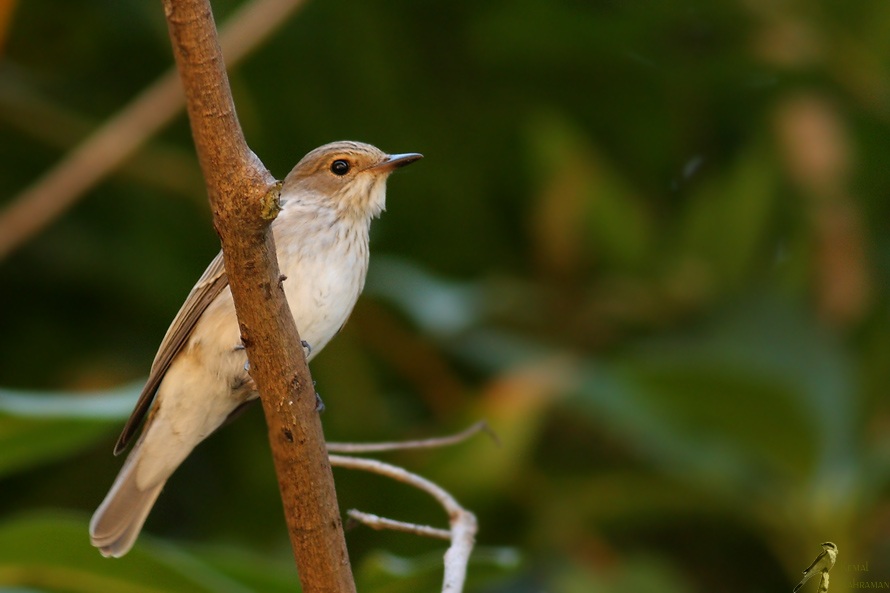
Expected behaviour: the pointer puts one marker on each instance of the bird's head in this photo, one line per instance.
(829, 546)
(349, 176)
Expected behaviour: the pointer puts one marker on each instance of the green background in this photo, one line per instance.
(648, 243)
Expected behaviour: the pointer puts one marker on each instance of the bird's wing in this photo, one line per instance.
(211, 283)
(815, 562)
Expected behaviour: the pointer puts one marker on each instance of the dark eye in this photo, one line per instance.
(340, 167)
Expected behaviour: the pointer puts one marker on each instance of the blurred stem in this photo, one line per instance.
(242, 195)
(6, 9)
(116, 141)
(158, 165)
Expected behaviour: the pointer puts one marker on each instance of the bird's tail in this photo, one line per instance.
(803, 581)
(118, 520)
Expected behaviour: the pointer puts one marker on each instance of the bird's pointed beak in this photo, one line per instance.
(396, 161)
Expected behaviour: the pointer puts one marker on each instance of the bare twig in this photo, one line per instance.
(463, 523)
(460, 437)
(242, 193)
(109, 146)
(379, 523)
(457, 556)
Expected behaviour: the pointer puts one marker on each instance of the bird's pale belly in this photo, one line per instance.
(322, 286)
(320, 308)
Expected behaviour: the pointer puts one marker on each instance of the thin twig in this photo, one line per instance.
(457, 556)
(463, 522)
(353, 448)
(400, 475)
(379, 523)
(119, 138)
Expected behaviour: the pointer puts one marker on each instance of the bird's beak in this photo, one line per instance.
(396, 161)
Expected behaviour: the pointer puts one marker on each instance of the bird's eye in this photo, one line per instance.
(340, 167)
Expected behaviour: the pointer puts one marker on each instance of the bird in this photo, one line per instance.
(821, 565)
(200, 375)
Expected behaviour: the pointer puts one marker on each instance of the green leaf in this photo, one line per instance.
(110, 405)
(583, 204)
(26, 443)
(383, 572)
(727, 220)
(758, 396)
(51, 552)
(37, 428)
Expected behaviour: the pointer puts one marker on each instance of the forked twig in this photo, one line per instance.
(463, 523)
(462, 533)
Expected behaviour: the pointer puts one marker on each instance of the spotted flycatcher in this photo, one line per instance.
(200, 374)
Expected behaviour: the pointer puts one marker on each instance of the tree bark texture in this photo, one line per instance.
(244, 196)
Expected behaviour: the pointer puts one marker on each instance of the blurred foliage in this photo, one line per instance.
(649, 243)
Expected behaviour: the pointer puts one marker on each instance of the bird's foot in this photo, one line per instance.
(306, 347)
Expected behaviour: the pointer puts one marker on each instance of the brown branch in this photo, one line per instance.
(6, 9)
(118, 139)
(242, 195)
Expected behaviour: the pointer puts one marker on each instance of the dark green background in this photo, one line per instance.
(648, 243)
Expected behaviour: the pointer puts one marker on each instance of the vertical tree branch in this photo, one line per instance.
(243, 197)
